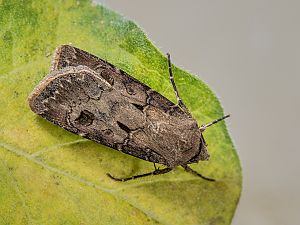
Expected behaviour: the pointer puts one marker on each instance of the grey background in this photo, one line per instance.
(248, 52)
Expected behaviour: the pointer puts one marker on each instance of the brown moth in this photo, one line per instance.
(92, 98)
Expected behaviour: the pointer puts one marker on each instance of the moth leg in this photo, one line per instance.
(155, 172)
(155, 166)
(179, 100)
(190, 170)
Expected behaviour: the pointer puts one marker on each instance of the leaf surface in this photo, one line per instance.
(50, 176)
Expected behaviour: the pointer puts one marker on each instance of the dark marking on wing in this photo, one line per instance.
(123, 127)
(139, 107)
(85, 118)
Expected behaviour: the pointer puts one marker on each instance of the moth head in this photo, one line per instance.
(203, 152)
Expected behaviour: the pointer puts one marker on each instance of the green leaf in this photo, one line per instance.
(50, 176)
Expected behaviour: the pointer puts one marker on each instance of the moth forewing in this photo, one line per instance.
(90, 97)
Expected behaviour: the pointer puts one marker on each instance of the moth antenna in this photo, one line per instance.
(203, 127)
(179, 100)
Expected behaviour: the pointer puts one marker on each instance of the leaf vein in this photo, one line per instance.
(54, 147)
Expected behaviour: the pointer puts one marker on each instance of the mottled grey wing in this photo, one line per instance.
(104, 104)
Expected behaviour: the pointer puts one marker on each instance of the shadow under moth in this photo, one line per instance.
(92, 98)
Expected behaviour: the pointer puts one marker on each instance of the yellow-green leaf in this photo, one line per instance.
(50, 176)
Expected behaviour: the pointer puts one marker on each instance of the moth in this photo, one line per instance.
(90, 97)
